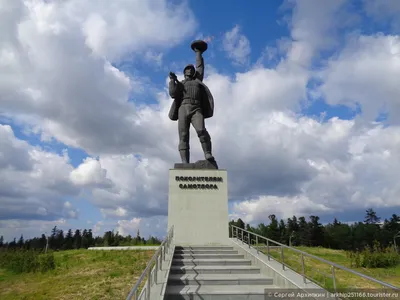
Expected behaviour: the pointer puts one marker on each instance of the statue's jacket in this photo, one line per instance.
(176, 92)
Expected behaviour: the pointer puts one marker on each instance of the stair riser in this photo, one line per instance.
(204, 248)
(263, 281)
(194, 252)
(211, 263)
(226, 271)
(217, 297)
(210, 256)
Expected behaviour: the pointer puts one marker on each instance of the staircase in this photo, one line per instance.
(214, 272)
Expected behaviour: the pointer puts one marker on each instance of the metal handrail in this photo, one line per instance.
(303, 254)
(150, 271)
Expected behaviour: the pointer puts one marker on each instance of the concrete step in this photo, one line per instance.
(208, 256)
(219, 279)
(219, 292)
(206, 251)
(214, 270)
(203, 248)
(211, 262)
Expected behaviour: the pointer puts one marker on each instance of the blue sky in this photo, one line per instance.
(86, 141)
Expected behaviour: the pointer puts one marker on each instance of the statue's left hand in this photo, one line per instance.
(172, 76)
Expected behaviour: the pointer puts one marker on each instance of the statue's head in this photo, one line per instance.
(189, 72)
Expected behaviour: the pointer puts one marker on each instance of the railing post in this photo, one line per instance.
(232, 231)
(248, 238)
(242, 237)
(148, 285)
(303, 269)
(161, 260)
(282, 258)
(164, 251)
(333, 278)
(384, 290)
(268, 249)
(156, 271)
(257, 243)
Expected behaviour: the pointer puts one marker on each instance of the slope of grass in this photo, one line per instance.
(80, 274)
(321, 273)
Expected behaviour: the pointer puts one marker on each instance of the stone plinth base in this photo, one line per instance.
(198, 206)
(200, 164)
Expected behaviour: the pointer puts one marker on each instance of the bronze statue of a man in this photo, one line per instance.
(192, 104)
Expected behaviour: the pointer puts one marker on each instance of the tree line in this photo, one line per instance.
(295, 231)
(59, 240)
(336, 235)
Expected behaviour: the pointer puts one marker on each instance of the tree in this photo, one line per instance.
(69, 240)
(284, 237)
(85, 241)
(371, 217)
(292, 224)
(77, 239)
(338, 236)
(108, 238)
(249, 228)
(59, 239)
(336, 222)
(42, 242)
(1, 241)
(273, 228)
(13, 244)
(90, 238)
(20, 243)
(240, 223)
(53, 237)
(316, 232)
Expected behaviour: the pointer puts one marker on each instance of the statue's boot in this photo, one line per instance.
(207, 153)
(185, 156)
(205, 141)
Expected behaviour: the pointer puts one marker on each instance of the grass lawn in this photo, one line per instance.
(80, 274)
(322, 273)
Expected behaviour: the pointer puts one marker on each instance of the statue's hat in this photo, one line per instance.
(190, 66)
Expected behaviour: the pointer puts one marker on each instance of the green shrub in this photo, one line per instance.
(374, 257)
(46, 262)
(20, 261)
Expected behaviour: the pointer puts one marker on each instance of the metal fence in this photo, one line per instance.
(305, 264)
(150, 272)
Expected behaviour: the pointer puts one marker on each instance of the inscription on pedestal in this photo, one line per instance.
(210, 185)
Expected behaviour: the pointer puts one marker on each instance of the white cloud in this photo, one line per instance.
(152, 226)
(11, 229)
(59, 82)
(126, 227)
(131, 26)
(33, 182)
(365, 73)
(153, 57)
(314, 26)
(58, 76)
(90, 173)
(236, 45)
(353, 169)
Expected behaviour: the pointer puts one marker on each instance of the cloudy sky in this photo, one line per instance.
(307, 116)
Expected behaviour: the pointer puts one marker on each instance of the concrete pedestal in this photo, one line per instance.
(198, 207)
